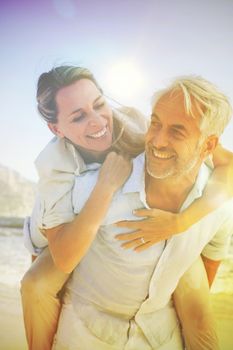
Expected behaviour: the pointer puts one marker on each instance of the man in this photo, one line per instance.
(186, 122)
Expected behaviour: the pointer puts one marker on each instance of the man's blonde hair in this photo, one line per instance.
(214, 107)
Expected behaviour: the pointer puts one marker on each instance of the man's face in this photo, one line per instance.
(173, 139)
(84, 117)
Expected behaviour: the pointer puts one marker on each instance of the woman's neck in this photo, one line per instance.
(90, 156)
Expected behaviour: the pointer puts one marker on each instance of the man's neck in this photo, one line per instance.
(169, 194)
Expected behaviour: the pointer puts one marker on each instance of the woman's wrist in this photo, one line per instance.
(185, 219)
(106, 187)
(104, 190)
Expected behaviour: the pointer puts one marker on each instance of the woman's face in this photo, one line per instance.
(83, 116)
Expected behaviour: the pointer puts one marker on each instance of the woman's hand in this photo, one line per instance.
(70, 242)
(114, 171)
(158, 225)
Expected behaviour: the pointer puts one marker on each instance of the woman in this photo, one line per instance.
(73, 105)
(60, 158)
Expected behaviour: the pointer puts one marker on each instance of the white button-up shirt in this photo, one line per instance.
(112, 287)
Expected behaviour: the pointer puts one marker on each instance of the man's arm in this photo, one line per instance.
(192, 302)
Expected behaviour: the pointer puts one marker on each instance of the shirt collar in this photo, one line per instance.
(198, 187)
(81, 166)
(136, 182)
(136, 179)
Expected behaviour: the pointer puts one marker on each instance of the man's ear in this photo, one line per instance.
(55, 130)
(210, 145)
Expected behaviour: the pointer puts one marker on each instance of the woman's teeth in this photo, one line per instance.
(99, 133)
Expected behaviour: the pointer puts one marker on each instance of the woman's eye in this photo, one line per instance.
(78, 118)
(99, 105)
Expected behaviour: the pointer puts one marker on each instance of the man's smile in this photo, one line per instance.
(162, 154)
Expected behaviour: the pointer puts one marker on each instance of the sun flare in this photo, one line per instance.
(124, 80)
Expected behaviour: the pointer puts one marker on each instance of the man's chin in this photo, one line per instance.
(160, 175)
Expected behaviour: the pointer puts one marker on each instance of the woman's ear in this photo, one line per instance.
(55, 129)
(210, 145)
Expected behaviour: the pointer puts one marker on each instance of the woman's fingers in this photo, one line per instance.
(139, 237)
(147, 212)
(129, 236)
(128, 224)
(137, 245)
(148, 224)
(144, 246)
(132, 244)
(157, 226)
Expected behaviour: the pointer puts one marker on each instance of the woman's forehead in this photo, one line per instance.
(77, 95)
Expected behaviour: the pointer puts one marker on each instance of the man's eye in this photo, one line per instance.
(155, 124)
(177, 133)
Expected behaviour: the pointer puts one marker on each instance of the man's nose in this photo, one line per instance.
(160, 139)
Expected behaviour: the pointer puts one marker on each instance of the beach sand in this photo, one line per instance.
(12, 335)
(15, 260)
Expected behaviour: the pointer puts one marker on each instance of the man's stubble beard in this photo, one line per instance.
(185, 170)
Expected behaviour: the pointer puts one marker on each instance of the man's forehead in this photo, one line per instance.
(174, 101)
(173, 97)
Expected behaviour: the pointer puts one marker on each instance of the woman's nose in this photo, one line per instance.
(96, 119)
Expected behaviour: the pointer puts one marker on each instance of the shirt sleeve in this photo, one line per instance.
(43, 217)
(58, 212)
(34, 240)
(27, 239)
(57, 165)
(218, 247)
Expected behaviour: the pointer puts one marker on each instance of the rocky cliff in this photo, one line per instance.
(16, 194)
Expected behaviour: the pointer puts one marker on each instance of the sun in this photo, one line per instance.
(124, 80)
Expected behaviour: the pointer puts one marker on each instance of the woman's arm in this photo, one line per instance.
(222, 156)
(192, 303)
(68, 243)
(160, 225)
(218, 190)
(211, 267)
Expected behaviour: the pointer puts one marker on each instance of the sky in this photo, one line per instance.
(133, 47)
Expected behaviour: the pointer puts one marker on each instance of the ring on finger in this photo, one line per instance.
(142, 240)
